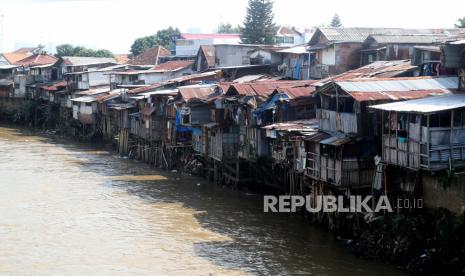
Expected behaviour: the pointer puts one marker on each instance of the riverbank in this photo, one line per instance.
(74, 208)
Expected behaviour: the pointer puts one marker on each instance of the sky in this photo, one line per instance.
(115, 24)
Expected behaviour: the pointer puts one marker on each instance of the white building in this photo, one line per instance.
(189, 44)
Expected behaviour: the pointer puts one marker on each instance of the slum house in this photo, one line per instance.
(336, 50)
(394, 47)
(223, 55)
(345, 158)
(295, 63)
(89, 79)
(426, 139)
(287, 115)
(85, 104)
(288, 104)
(163, 120)
(79, 64)
(33, 71)
(17, 55)
(7, 73)
(453, 57)
(428, 59)
(240, 126)
(194, 115)
(266, 55)
(288, 153)
(160, 73)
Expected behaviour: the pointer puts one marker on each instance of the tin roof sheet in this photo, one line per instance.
(335, 141)
(81, 61)
(399, 84)
(426, 105)
(360, 34)
(196, 92)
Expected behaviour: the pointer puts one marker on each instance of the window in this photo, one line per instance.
(186, 119)
(459, 118)
(284, 39)
(184, 42)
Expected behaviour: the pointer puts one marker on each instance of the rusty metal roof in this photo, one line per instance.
(263, 88)
(55, 86)
(379, 69)
(317, 136)
(172, 66)
(209, 54)
(335, 141)
(196, 92)
(150, 56)
(397, 88)
(297, 92)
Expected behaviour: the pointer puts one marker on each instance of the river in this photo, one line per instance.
(72, 209)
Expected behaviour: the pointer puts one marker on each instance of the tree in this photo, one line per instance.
(143, 43)
(165, 38)
(336, 21)
(259, 27)
(227, 28)
(65, 50)
(79, 51)
(461, 23)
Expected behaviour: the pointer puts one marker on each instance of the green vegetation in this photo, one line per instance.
(336, 21)
(165, 38)
(227, 28)
(259, 27)
(79, 51)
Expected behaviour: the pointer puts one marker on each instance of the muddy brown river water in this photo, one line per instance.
(74, 209)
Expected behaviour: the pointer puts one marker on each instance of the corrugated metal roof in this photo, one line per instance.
(172, 66)
(81, 61)
(426, 105)
(396, 95)
(335, 141)
(150, 56)
(360, 34)
(399, 84)
(196, 92)
(299, 126)
(297, 92)
(301, 49)
(376, 69)
(317, 136)
(429, 48)
(8, 66)
(264, 88)
(209, 54)
(405, 39)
